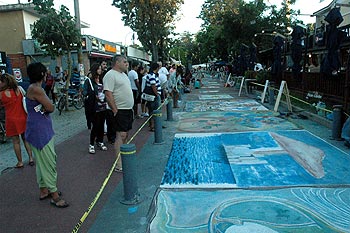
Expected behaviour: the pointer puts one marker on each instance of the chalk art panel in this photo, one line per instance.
(214, 97)
(225, 106)
(284, 210)
(200, 122)
(254, 159)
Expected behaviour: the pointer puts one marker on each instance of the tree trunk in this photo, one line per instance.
(154, 53)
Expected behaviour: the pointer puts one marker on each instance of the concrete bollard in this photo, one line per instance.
(169, 111)
(131, 194)
(337, 122)
(158, 134)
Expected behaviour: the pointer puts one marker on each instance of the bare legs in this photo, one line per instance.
(18, 152)
(121, 138)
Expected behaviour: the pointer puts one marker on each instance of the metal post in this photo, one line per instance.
(158, 135)
(169, 111)
(131, 195)
(337, 123)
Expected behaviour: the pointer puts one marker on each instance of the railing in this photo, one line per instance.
(332, 90)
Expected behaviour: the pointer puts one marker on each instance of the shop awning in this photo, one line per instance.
(103, 55)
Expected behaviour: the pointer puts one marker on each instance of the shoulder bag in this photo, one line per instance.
(23, 92)
(148, 93)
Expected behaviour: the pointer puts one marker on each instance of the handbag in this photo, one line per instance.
(23, 92)
(148, 93)
(147, 97)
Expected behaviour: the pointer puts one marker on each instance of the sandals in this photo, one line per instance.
(59, 203)
(49, 195)
(19, 165)
(31, 163)
(119, 170)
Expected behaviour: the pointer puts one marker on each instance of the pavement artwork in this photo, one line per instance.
(297, 209)
(236, 105)
(232, 121)
(254, 159)
(208, 91)
(288, 185)
(214, 97)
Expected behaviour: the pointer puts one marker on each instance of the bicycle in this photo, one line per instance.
(75, 98)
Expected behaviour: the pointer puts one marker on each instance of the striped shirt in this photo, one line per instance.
(152, 79)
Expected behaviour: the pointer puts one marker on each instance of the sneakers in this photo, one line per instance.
(91, 149)
(145, 114)
(101, 146)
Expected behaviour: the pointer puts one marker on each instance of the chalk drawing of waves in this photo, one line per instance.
(270, 214)
(332, 204)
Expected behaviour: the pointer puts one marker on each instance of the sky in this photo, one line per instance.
(105, 19)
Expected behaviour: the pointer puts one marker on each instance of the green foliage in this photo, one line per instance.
(55, 31)
(229, 23)
(152, 20)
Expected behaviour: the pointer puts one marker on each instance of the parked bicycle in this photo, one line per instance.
(75, 98)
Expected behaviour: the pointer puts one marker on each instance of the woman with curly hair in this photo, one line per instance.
(15, 120)
(39, 134)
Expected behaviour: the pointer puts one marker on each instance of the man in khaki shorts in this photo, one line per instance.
(117, 88)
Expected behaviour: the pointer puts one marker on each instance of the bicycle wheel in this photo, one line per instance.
(78, 102)
(61, 104)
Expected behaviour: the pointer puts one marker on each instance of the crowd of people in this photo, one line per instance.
(113, 98)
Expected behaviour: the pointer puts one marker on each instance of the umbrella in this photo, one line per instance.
(242, 61)
(297, 50)
(331, 63)
(276, 68)
(252, 56)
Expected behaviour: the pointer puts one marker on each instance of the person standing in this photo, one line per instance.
(15, 120)
(109, 114)
(135, 85)
(99, 110)
(142, 73)
(89, 100)
(120, 99)
(49, 85)
(153, 83)
(58, 76)
(39, 134)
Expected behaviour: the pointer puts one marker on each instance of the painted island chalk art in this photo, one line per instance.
(214, 97)
(294, 210)
(254, 159)
(200, 122)
(225, 106)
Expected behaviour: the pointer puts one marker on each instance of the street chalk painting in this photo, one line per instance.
(294, 210)
(200, 122)
(214, 97)
(225, 106)
(208, 91)
(254, 159)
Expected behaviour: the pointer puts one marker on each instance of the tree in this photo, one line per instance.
(56, 31)
(152, 20)
(230, 23)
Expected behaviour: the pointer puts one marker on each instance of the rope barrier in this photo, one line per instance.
(300, 100)
(91, 206)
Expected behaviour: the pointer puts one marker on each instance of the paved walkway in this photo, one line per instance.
(81, 175)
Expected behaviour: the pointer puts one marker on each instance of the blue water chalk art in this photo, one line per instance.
(254, 159)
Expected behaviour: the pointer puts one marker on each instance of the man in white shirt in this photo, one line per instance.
(163, 78)
(135, 85)
(117, 88)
